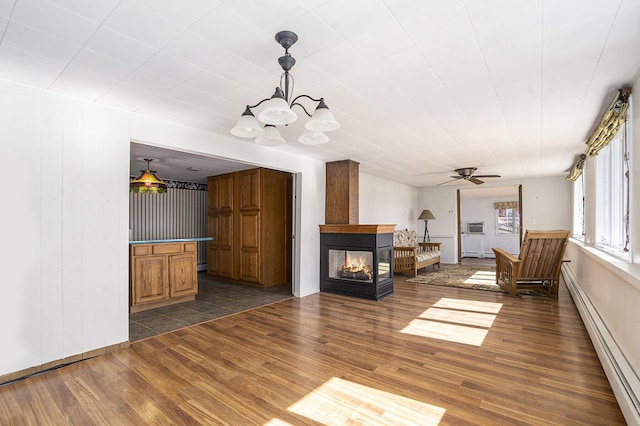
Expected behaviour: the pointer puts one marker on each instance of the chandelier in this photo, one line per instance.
(278, 110)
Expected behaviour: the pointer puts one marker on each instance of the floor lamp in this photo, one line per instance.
(426, 215)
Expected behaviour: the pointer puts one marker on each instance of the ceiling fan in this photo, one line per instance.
(467, 173)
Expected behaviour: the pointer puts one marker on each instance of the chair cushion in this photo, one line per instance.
(405, 238)
(426, 255)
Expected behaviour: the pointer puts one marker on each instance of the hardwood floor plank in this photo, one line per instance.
(328, 359)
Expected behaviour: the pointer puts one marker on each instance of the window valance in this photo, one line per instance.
(613, 119)
(506, 205)
(577, 169)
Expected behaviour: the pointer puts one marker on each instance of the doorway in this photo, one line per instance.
(187, 175)
(479, 225)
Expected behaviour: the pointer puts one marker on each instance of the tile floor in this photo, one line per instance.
(216, 298)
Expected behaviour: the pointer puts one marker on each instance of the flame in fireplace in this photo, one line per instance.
(357, 265)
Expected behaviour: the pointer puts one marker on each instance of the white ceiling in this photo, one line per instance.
(420, 87)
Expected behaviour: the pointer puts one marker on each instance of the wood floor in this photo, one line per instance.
(425, 355)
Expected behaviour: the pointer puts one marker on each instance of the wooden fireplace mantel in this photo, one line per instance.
(356, 229)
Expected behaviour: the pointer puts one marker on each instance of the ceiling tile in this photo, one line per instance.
(78, 82)
(271, 19)
(101, 64)
(143, 24)
(52, 19)
(6, 7)
(27, 67)
(119, 46)
(94, 10)
(151, 82)
(183, 12)
(344, 16)
(239, 36)
(171, 67)
(194, 49)
(40, 43)
(208, 82)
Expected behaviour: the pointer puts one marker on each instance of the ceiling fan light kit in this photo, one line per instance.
(278, 109)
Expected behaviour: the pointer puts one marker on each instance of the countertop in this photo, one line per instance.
(175, 240)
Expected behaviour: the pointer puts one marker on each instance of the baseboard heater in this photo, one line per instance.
(624, 382)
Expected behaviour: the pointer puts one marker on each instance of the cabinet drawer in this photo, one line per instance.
(140, 250)
(167, 248)
(190, 247)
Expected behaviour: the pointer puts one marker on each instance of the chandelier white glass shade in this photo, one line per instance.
(271, 137)
(277, 110)
(313, 138)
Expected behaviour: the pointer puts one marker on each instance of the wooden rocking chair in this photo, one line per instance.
(537, 267)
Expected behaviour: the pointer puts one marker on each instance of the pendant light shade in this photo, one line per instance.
(313, 138)
(277, 111)
(322, 119)
(247, 126)
(271, 137)
(147, 182)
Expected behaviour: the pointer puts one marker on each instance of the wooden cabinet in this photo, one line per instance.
(250, 222)
(220, 225)
(162, 274)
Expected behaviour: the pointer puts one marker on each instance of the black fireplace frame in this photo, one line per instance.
(371, 242)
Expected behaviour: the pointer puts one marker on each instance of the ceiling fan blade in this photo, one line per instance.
(487, 176)
(454, 178)
(475, 180)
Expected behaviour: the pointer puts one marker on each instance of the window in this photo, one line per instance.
(612, 194)
(507, 217)
(578, 208)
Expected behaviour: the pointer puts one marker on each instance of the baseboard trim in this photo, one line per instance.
(23, 374)
(623, 380)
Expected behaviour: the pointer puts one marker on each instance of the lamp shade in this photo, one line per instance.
(426, 215)
(277, 111)
(322, 119)
(271, 137)
(247, 126)
(313, 138)
(147, 182)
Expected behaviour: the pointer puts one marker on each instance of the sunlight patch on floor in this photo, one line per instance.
(469, 305)
(449, 332)
(482, 277)
(459, 317)
(340, 402)
(455, 320)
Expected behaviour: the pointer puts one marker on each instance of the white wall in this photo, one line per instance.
(384, 202)
(546, 204)
(65, 227)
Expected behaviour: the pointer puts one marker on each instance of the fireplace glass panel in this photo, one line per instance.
(384, 264)
(351, 265)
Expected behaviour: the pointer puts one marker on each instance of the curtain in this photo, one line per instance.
(506, 205)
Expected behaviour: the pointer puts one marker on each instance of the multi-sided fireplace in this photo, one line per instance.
(357, 260)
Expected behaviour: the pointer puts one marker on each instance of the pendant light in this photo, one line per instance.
(147, 182)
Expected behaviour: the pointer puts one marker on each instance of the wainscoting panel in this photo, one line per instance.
(180, 213)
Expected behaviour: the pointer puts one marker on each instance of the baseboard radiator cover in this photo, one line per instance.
(622, 378)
